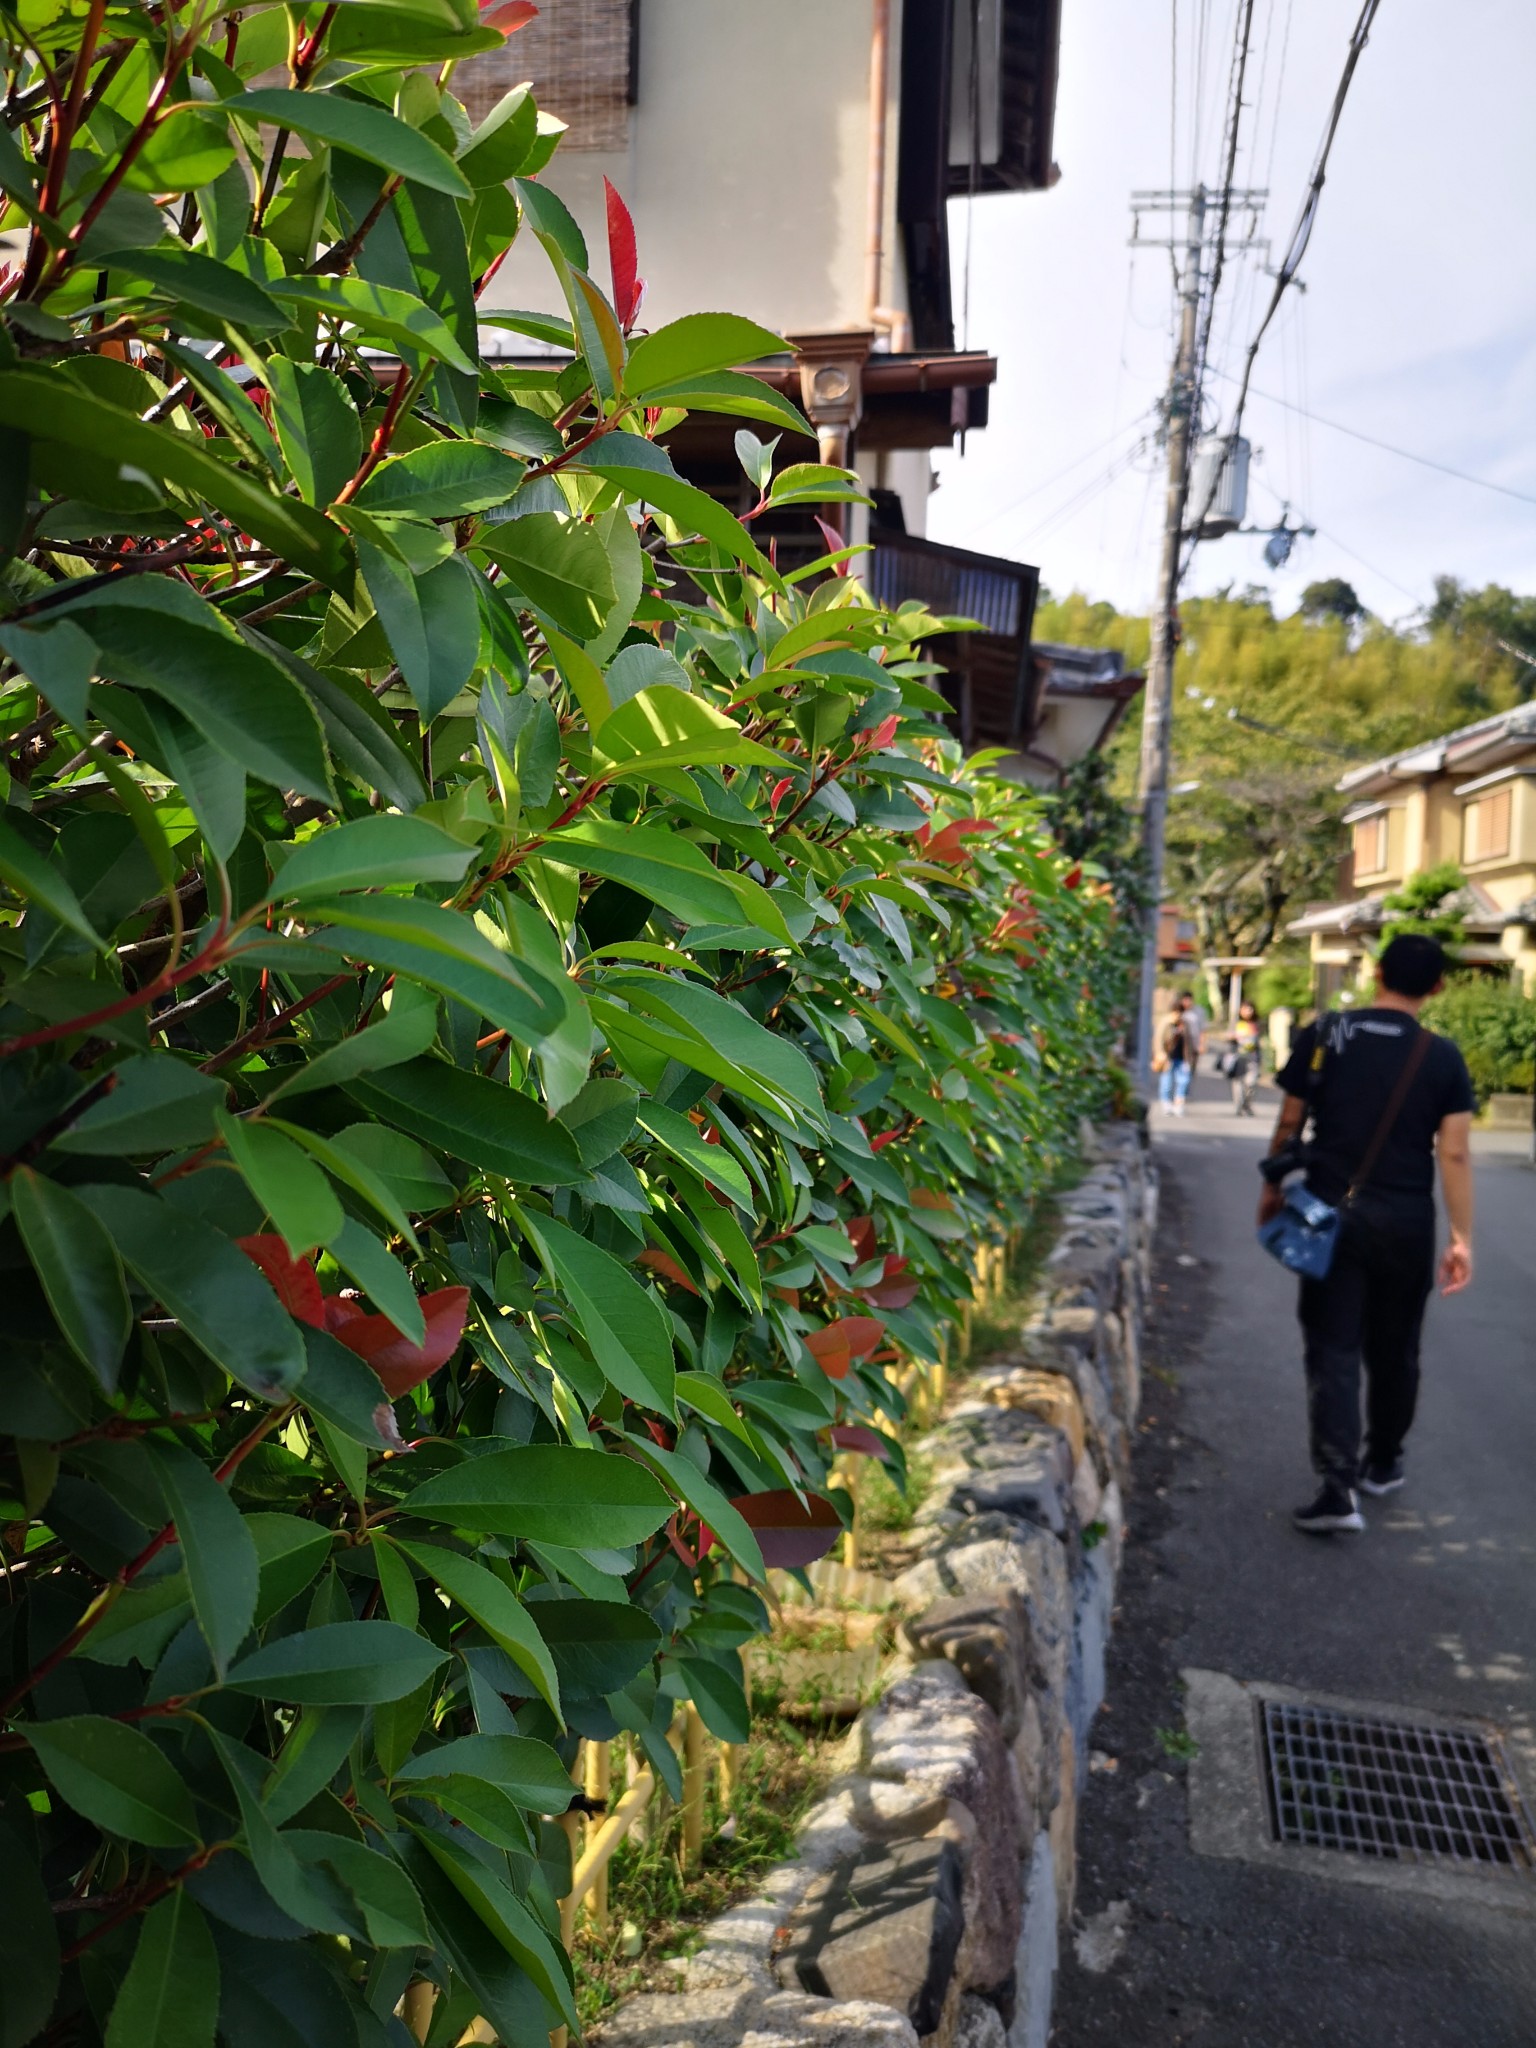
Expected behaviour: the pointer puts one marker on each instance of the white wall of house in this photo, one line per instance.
(746, 169)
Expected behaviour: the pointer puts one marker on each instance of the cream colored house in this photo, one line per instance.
(794, 162)
(1468, 799)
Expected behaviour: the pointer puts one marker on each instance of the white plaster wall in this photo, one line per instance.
(746, 170)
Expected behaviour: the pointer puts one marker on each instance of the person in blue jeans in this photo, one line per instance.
(1177, 1049)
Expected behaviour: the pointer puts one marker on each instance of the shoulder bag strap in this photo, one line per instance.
(1393, 1110)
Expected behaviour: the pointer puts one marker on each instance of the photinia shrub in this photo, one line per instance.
(514, 1014)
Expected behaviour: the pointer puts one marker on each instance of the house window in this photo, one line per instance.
(1485, 827)
(579, 55)
(1371, 844)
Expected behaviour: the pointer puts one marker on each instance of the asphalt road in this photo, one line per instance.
(1433, 1608)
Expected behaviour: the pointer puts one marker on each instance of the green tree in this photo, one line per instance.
(1333, 598)
(1493, 1020)
(494, 1045)
(1430, 903)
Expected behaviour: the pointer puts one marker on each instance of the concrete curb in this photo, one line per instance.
(933, 1881)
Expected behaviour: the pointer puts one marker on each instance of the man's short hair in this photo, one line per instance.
(1412, 964)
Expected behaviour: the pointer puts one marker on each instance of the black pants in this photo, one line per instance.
(1370, 1308)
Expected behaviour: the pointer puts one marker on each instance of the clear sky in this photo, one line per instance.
(1418, 325)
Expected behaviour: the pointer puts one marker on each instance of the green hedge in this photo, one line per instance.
(514, 1012)
(1493, 1020)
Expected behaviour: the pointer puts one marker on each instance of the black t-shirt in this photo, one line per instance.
(1364, 1052)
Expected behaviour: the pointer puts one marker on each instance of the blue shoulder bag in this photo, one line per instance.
(1305, 1234)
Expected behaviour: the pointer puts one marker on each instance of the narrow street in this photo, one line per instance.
(1431, 1610)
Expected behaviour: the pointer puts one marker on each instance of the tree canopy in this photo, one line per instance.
(1268, 713)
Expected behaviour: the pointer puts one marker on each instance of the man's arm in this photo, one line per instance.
(1453, 1148)
(1293, 1114)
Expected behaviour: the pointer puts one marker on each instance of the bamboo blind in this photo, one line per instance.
(577, 53)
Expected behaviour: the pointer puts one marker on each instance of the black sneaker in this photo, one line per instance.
(1383, 1478)
(1335, 1508)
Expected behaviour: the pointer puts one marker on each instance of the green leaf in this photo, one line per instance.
(115, 1776)
(696, 345)
(289, 1186)
(29, 1930)
(380, 852)
(660, 864)
(625, 1326)
(160, 1103)
(835, 1245)
(709, 1504)
(339, 1664)
(222, 1569)
(719, 1696)
(471, 1118)
(82, 1276)
(675, 1134)
(36, 880)
(443, 480)
(407, 1028)
(551, 220)
(661, 727)
(359, 127)
(51, 407)
(486, 1600)
(432, 623)
(503, 1914)
(358, 731)
(446, 950)
(499, 147)
(61, 660)
(368, 1265)
(767, 1058)
(170, 1996)
(547, 1493)
(383, 1894)
(560, 566)
(528, 1772)
(209, 287)
(219, 1297)
(379, 312)
(741, 396)
(642, 469)
(345, 1392)
(159, 635)
(317, 427)
(598, 1645)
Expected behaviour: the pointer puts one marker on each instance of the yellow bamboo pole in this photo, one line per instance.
(730, 1775)
(599, 1851)
(416, 2007)
(599, 1783)
(693, 1787)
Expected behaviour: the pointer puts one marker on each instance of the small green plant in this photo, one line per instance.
(1426, 904)
(1494, 1023)
(1094, 1534)
(1177, 1742)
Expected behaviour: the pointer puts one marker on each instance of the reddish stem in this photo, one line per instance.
(384, 434)
(163, 982)
(261, 1031)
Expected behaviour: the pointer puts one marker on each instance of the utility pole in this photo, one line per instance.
(1182, 406)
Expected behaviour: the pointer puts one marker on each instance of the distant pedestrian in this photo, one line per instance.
(1243, 1059)
(1175, 1061)
(1387, 1098)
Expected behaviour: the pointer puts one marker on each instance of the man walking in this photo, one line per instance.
(1389, 1097)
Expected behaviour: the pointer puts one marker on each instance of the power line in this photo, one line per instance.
(1301, 235)
(1066, 470)
(1388, 447)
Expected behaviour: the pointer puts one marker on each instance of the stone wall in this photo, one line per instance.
(934, 1878)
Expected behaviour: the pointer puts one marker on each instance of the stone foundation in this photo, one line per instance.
(934, 1879)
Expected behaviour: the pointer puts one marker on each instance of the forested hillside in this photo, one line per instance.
(1269, 712)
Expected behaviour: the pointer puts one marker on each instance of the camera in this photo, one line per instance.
(1294, 1156)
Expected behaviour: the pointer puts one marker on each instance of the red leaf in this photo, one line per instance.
(861, 1229)
(790, 1531)
(663, 1263)
(623, 259)
(830, 1351)
(945, 847)
(857, 1334)
(853, 1436)
(893, 1289)
(1073, 876)
(293, 1279)
(835, 543)
(781, 789)
(931, 1198)
(507, 15)
(885, 731)
(400, 1364)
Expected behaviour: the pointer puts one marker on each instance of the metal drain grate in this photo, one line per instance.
(1400, 1789)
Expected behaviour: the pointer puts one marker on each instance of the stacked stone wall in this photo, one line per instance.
(934, 1879)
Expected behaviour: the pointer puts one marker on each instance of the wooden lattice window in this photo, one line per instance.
(579, 55)
(1485, 826)
(1371, 844)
